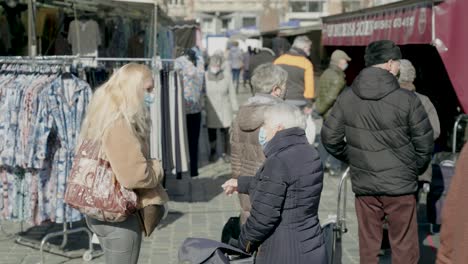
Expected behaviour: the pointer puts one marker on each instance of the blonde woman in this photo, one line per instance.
(118, 119)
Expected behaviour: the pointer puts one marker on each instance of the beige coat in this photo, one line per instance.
(221, 100)
(130, 162)
(433, 118)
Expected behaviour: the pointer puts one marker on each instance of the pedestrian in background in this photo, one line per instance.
(220, 104)
(283, 226)
(264, 55)
(247, 154)
(301, 88)
(384, 134)
(246, 63)
(236, 59)
(331, 84)
(406, 79)
(118, 118)
(192, 67)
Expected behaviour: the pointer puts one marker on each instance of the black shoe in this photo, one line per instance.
(226, 158)
(213, 157)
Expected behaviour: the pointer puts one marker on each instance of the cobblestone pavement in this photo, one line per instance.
(198, 209)
(203, 214)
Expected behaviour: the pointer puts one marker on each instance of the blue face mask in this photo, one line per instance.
(262, 139)
(149, 99)
(345, 67)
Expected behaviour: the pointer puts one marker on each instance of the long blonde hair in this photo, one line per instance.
(121, 96)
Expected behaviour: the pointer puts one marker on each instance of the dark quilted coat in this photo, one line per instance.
(285, 196)
(383, 132)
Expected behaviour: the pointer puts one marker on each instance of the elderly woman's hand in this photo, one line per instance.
(230, 187)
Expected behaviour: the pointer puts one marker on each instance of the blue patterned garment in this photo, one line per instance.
(193, 77)
(10, 122)
(61, 110)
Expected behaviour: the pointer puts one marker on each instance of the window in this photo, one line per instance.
(207, 25)
(176, 2)
(249, 22)
(349, 6)
(311, 6)
(225, 24)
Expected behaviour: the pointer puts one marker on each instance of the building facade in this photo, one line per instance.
(221, 16)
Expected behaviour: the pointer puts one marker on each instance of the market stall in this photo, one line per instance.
(96, 34)
(430, 35)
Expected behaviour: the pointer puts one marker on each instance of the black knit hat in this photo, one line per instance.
(381, 51)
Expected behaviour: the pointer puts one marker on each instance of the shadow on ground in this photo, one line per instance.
(172, 217)
(206, 189)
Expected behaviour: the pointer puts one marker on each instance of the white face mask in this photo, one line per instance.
(345, 66)
(262, 138)
(215, 69)
(150, 98)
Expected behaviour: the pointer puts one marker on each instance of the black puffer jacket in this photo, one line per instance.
(383, 132)
(285, 196)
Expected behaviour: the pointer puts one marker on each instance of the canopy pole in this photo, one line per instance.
(32, 41)
(155, 25)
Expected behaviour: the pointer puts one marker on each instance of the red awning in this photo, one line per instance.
(410, 22)
(407, 22)
(451, 40)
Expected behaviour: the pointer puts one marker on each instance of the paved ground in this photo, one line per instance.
(202, 215)
(198, 209)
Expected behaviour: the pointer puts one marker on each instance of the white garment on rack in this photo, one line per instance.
(84, 37)
(180, 119)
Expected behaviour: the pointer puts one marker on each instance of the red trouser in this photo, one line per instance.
(402, 228)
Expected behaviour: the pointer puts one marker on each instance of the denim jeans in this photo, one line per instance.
(334, 165)
(235, 78)
(120, 241)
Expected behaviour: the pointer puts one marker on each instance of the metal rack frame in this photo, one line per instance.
(67, 61)
(88, 255)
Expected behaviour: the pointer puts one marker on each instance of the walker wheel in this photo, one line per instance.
(88, 256)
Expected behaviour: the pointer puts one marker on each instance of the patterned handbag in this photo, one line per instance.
(93, 189)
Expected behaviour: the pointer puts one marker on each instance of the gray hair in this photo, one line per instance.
(407, 72)
(284, 114)
(217, 59)
(268, 76)
(301, 42)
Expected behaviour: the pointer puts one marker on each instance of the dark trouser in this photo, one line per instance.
(236, 77)
(402, 228)
(193, 131)
(212, 137)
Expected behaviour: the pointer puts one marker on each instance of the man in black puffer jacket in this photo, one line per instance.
(383, 132)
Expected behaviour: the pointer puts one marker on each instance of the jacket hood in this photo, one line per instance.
(284, 139)
(408, 86)
(267, 50)
(251, 115)
(374, 84)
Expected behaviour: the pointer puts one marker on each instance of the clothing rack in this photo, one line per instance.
(88, 255)
(68, 61)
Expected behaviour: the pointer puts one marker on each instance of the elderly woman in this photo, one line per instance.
(269, 82)
(406, 80)
(221, 103)
(285, 193)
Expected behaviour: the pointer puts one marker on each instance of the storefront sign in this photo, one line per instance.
(408, 25)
